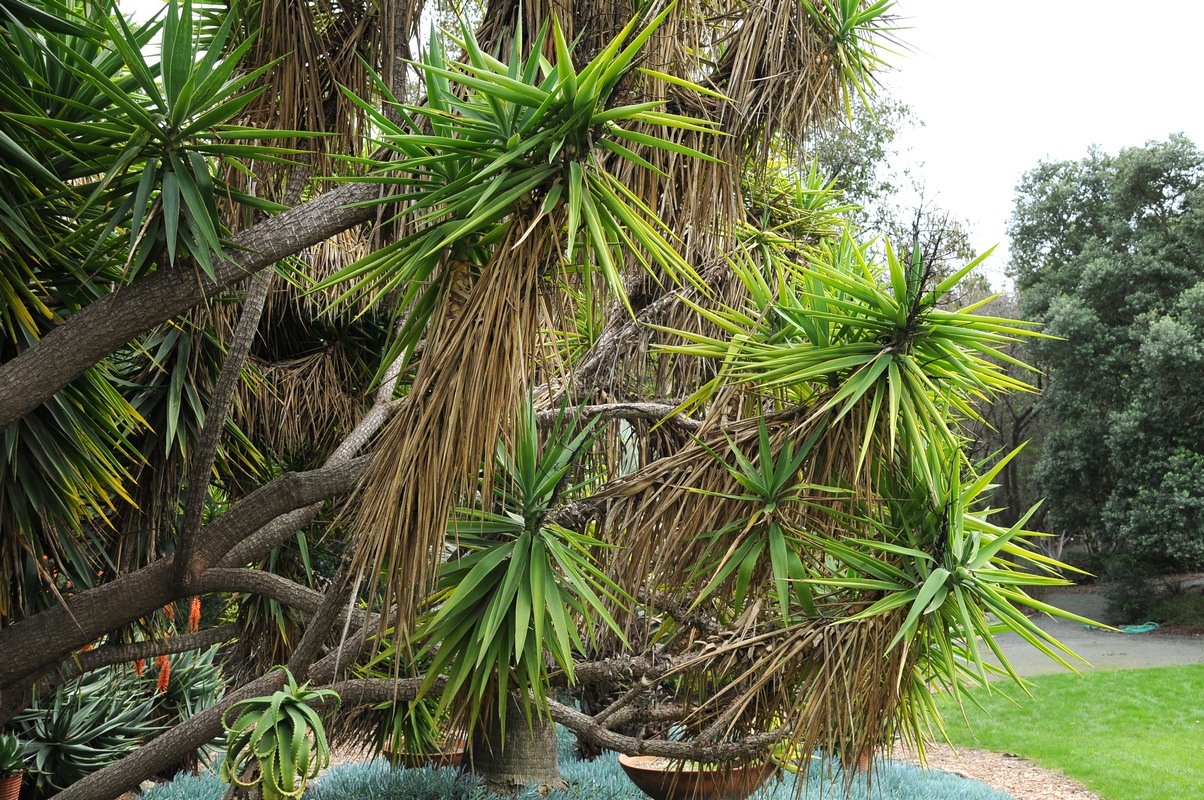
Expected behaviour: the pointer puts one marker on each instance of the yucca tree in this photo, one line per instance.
(585, 211)
(839, 530)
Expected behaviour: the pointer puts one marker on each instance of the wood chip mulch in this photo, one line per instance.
(1005, 772)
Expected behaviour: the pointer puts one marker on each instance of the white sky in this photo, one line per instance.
(1000, 86)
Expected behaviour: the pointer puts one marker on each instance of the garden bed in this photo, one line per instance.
(602, 779)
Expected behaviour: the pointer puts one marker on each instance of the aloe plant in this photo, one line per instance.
(281, 735)
(84, 725)
(12, 755)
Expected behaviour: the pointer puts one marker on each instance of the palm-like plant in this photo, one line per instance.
(841, 332)
(522, 588)
(121, 162)
(847, 516)
(491, 172)
(821, 522)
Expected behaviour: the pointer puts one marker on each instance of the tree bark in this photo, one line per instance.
(51, 635)
(187, 567)
(510, 756)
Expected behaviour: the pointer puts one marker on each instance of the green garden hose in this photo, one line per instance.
(1144, 627)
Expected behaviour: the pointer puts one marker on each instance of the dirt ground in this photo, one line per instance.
(1002, 771)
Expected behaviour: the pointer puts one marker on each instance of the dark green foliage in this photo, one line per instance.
(1135, 596)
(1107, 253)
(86, 724)
(1177, 609)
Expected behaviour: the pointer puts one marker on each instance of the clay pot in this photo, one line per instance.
(10, 787)
(660, 779)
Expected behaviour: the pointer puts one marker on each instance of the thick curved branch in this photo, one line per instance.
(264, 584)
(51, 635)
(258, 544)
(122, 653)
(645, 666)
(289, 492)
(108, 324)
(338, 603)
(187, 569)
(255, 546)
(48, 637)
(655, 411)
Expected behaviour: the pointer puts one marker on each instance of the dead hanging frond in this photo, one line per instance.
(770, 72)
(467, 393)
(503, 18)
(304, 405)
(660, 514)
(314, 47)
(325, 259)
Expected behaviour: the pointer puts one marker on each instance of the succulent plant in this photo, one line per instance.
(12, 755)
(84, 725)
(281, 735)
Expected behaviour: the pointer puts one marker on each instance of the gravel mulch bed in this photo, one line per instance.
(1006, 772)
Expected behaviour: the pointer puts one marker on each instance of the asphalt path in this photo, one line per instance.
(1101, 649)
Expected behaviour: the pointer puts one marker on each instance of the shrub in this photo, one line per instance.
(1131, 594)
(1178, 608)
(186, 786)
(84, 725)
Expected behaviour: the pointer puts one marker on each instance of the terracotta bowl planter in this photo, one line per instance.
(660, 779)
(10, 786)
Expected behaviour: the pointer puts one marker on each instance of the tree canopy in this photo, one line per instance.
(1106, 252)
(534, 357)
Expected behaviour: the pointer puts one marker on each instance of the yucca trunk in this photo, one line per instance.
(510, 756)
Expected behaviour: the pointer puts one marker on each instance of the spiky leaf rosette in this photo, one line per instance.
(842, 540)
(524, 594)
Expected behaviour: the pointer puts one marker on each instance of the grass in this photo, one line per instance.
(1126, 734)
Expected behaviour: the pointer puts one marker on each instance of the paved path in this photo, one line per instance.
(1101, 649)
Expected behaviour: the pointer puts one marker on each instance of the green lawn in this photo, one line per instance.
(1126, 734)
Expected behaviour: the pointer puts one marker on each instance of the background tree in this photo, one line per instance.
(1105, 253)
